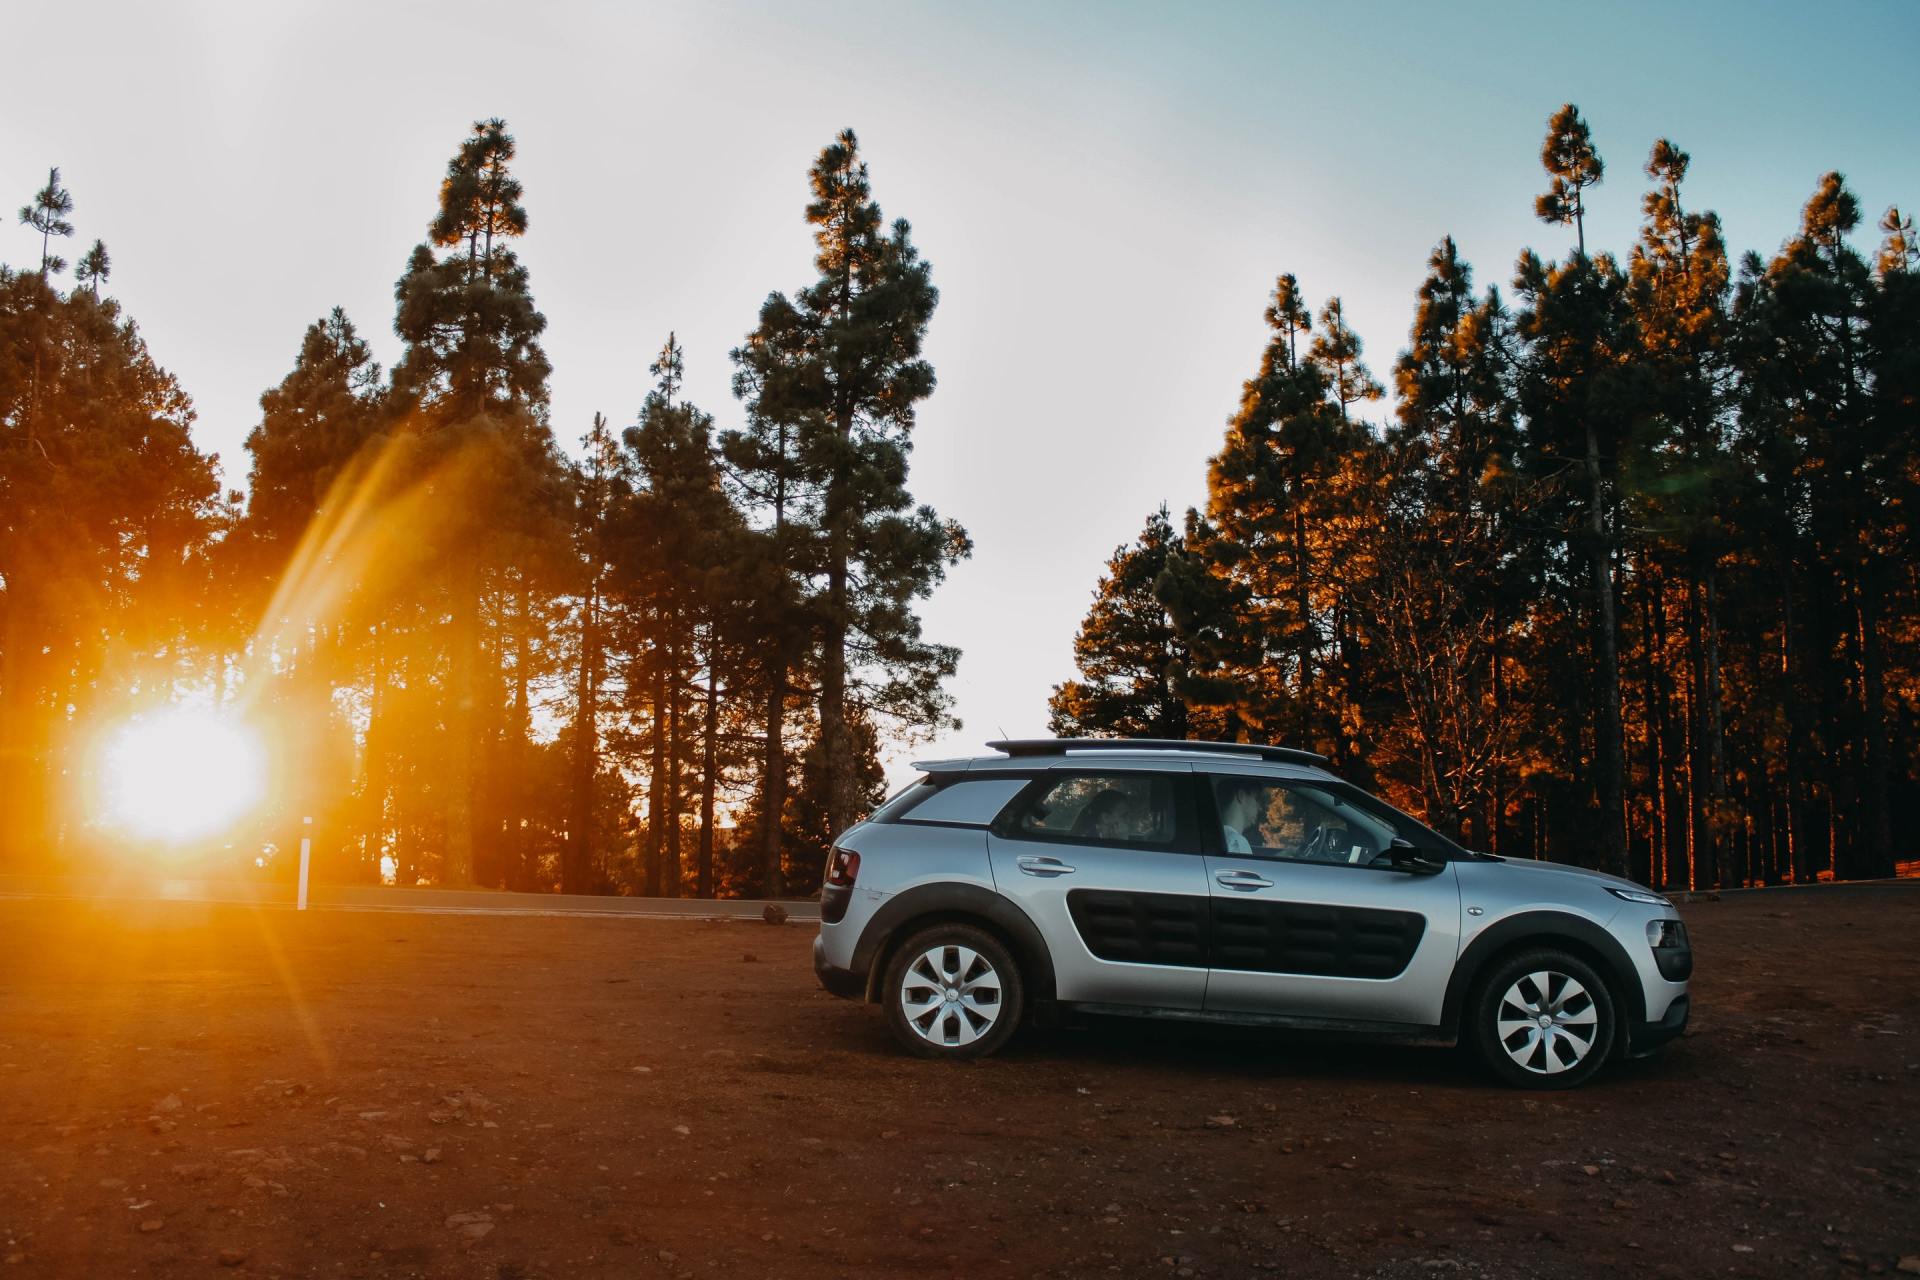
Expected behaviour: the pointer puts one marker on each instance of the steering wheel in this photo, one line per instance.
(1319, 844)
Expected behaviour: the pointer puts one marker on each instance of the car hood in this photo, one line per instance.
(1504, 867)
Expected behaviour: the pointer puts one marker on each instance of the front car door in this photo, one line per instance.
(1107, 863)
(1309, 921)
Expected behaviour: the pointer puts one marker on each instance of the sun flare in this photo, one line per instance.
(180, 774)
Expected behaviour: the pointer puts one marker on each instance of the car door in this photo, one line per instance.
(1106, 862)
(1309, 919)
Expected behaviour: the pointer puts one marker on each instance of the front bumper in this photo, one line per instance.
(841, 982)
(1644, 1038)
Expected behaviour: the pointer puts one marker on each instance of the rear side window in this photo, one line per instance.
(902, 800)
(974, 803)
(1106, 808)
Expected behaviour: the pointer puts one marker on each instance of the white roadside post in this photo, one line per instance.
(306, 854)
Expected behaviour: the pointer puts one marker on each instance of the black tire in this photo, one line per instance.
(963, 1024)
(1557, 1058)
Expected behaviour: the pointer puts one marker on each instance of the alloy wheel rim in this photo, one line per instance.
(1547, 1022)
(951, 996)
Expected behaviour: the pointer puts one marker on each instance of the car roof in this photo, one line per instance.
(1136, 753)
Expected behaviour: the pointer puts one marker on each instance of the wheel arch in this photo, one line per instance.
(916, 908)
(1576, 935)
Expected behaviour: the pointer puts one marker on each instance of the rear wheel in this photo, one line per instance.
(952, 991)
(1543, 1019)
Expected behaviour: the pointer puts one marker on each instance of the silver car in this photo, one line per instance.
(1227, 882)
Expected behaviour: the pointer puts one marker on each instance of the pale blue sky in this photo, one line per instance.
(1105, 193)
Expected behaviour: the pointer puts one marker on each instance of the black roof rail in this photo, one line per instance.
(1056, 746)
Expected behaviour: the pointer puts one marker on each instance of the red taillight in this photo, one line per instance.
(844, 868)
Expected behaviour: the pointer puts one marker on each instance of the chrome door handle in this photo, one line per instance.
(1243, 880)
(1035, 865)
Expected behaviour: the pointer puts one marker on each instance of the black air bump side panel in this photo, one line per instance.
(1260, 936)
(1142, 928)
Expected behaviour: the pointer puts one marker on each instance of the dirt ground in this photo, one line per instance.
(190, 1088)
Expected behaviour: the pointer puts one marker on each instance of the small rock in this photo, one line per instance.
(643, 1071)
(668, 1257)
(682, 1130)
(774, 913)
(749, 958)
(1220, 1122)
(1743, 1248)
(168, 1104)
(1909, 1264)
(1112, 1208)
(231, 1257)
(151, 1225)
(432, 1155)
(1590, 1169)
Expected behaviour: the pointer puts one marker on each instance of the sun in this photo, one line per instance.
(179, 774)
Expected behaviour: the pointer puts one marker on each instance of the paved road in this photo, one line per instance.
(274, 894)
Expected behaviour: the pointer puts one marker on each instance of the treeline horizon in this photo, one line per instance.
(1626, 578)
(475, 659)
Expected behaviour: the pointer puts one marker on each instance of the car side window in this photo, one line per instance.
(1103, 808)
(1296, 821)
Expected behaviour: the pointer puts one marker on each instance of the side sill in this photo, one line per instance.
(1398, 1032)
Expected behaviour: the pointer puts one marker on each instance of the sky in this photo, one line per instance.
(1105, 192)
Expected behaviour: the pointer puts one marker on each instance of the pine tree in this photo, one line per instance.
(474, 379)
(1677, 289)
(1454, 577)
(601, 481)
(312, 425)
(1282, 444)
(1336, 349)
(108, 508)
(841, 365)
(94, 267)
(1127, 650)
(765, 468)
(1573, 165)
(1828, 467)
(680, 541)
(1899, 251)
(1570, 385)
(48, 215)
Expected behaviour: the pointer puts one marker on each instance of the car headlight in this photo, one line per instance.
(1642, 896)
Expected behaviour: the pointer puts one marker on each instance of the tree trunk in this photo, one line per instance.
(515, 754)
(1611, 763)
(657, 777)
(773, 790)
(1876, 835)
(1718, 808)
(709, 757)
(674, 873)
(576, 857)
(462, 723)
(835, 746)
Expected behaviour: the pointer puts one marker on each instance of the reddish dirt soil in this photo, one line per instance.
(185, 1089)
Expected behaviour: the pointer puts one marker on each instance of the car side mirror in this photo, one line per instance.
(1404, 855)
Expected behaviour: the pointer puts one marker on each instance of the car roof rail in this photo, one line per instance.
(1056, 746)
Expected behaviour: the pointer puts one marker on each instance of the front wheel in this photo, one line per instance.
(1543, 1020)
(952, 991)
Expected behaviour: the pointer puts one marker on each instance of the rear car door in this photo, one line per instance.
(1107, 863)
(1309, 919)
